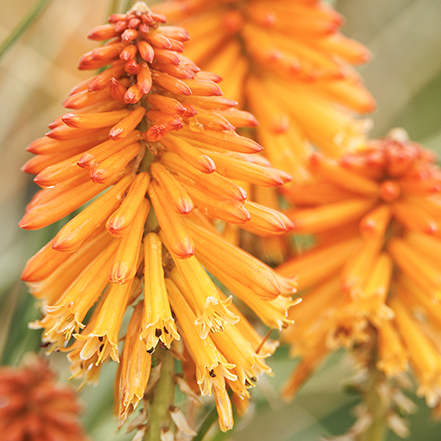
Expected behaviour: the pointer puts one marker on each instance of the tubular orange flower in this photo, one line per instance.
(144, 138)
(291, 67)
(385, 259)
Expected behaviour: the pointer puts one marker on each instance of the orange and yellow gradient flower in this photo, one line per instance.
(287, 62)
(150, 145)
(375, 271)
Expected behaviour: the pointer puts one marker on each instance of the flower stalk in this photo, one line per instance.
(162, 398)
(375, 407)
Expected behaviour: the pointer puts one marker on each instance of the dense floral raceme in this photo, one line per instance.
(374, 274)
(288, 63)
(34, 407)
(150, 142)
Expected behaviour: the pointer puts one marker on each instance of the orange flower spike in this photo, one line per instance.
(379, 280)
(188, 153)
(181, 202)
(54, 284)
(316, 265)
(127, 124)
(85, 98)
(38, 267)
(157, 322)
(77, 230)
(374, 223)
(124, 265)
(59, 172)
(166, 57)
(64, 133)
(174, 121)
(102, 32)
(360, 264)
(144, 78)
(208, 103)
(330, 170)
(71, 309)
(129, 52)
(114, 165)
(195, 284)
(227, 209)
(46, 260)
(122, 218)
(166, 104)
(117, 90)
(102, 80)
(223, 407)
(146, 51)
(266, 221)
(215, 252)
(174, 33)
(424, 357)
(94, 120)
(234, 168)
(48, 146)
(212, 120)
(50, 209)
(393, 356)
(414, 217)
(237, 350)
(349, 50)
(238, 118)
(215, 183)
(203, 87)
(213, 140)
(134, 369)
(170, 83)
(171, 224)
(415, 264)
(158, 40)
(430, 246)
(47, 194)
(107, 52)
(133, 94)
(322, 218)
(102, 339)
(211, 366)
(37, 406)
(107, 148)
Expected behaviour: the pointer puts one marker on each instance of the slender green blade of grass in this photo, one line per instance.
(22, 26)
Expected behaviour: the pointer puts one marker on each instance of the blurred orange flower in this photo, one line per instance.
(34, 407)
(376, 216)
(288, 63)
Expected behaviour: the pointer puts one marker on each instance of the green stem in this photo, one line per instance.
(22, 26)
(114, 7)
(163, 398)
(128, 5)
(205, 426)
(377, 430)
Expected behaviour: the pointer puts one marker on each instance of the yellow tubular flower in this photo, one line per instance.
(290, 65)
(134, 369)
(150, 142)
(376, 215)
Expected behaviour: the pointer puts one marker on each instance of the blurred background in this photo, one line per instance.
(37, 73)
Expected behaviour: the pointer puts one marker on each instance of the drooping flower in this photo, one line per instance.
(374, 273)
(34, 407)
(150, 142)
(288, 63)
